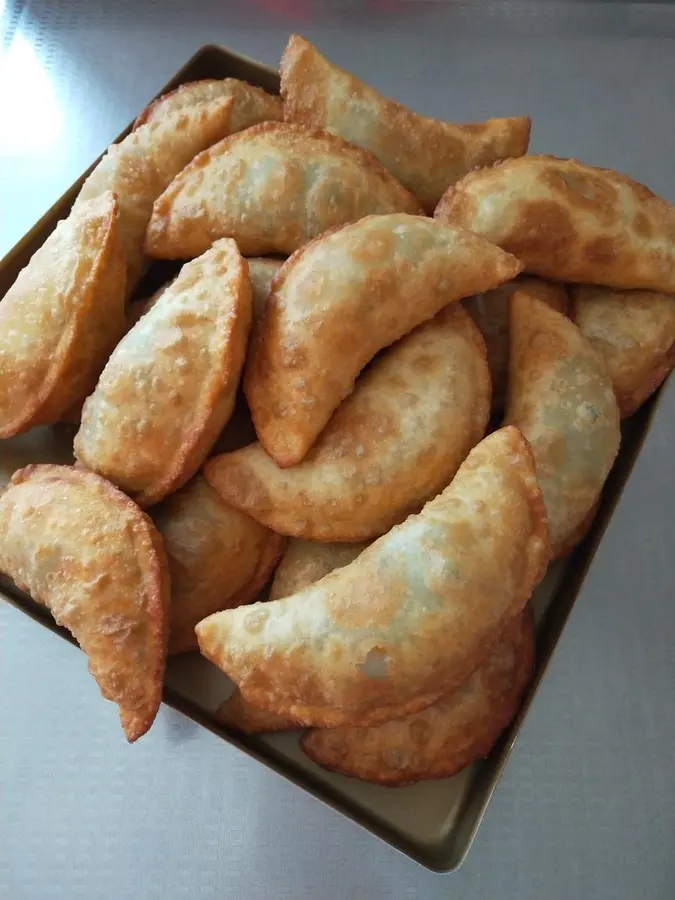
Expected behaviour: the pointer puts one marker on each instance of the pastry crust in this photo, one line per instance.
(219, 557)
(272, 188)
(490, 312)
(561, 399)
(412, 617)
(340, 300)
(634, 332)
(61, 318)
(569, 221)
(393, 444)
(145, 162)
(251, 104)
(425, 155)
(170, 385)
(438, 742)
(305, 562)
(79, 546)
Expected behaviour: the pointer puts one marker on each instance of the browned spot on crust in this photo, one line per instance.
(602, 250)
(545, 226)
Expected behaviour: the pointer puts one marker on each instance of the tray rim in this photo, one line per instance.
(581, 560)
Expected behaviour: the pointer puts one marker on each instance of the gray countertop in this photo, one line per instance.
(587, 805)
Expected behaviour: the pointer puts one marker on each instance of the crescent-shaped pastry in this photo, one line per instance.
(251, 105)
(412, 617)
(634, 332)
(79, 546)
(340, 300)
(560, 397)
(569, 222)
(145, 162)
(272, 188)
(219, 557)
(170, 385)
(305, 562)
(490, 312)
(438, 742)
(61, 318)
(393, 444)
(425, 155)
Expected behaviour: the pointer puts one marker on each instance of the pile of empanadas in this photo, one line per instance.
(387, 375)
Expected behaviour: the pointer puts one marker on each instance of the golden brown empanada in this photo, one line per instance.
(219, 557)
(634, 332)
(79, 546)
(251, 104)
(340, 300)
(61, 318)
(438, 742)
(426, 155)
(261, 274)
(393, 444)
(305, 562)
(490, 311)
(412, 617)
(560, 397)
(272, 188)
(170, 385)
(569, 221)
(143, 164)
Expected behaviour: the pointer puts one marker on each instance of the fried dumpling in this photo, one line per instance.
(144, 163)
(339, 301)
(393, 444)
(251, 104)
(438, 742)
(560, 397)
(261, 274)
(426, 155)
(219, 557)
(569, 222)
(490, 311)
(305, 562)
(170, 385)
(412, 617)
(634, 332)
(272, 188)
(61, 318)
(79, 546)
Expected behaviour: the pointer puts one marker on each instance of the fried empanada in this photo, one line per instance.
(340, 300)
(393, 444)
(236, 713)
(261, 274)
(305, 562)
(61, 318)
(447, 736)
(144, 163)
(569, 222)
(412, 617)
(219, 557)
(251, 104)
(170, 385)
(79, 546)
(490, 311)
(560, 397)
(634, 332)
(272, 188)
(426, 155)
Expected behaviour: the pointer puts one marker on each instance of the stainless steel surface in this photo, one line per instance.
(587, 806)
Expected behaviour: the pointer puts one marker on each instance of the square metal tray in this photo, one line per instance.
(432, 822)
